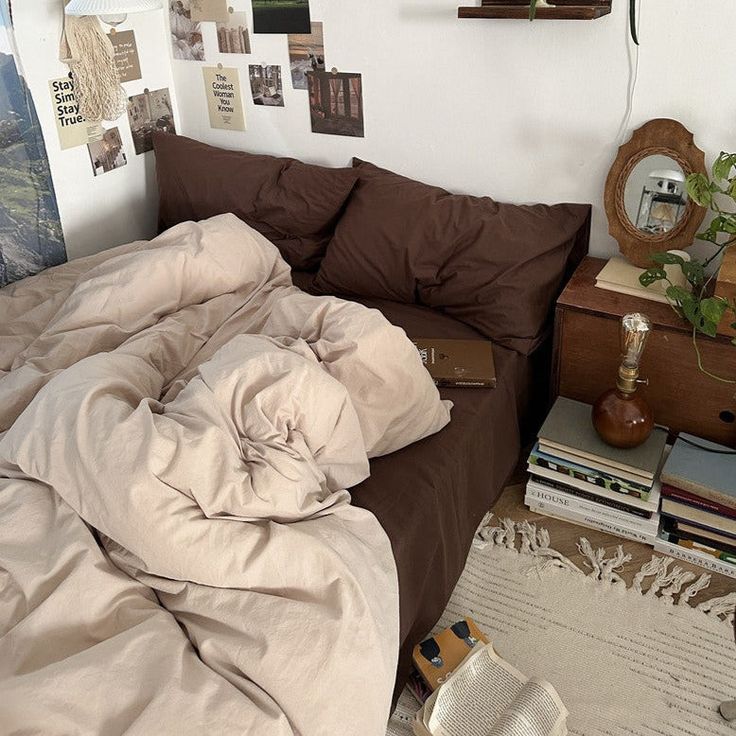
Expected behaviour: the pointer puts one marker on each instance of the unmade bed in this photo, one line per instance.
(430, 496)
(179, 423)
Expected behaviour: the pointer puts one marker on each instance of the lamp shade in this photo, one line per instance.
(111, 7)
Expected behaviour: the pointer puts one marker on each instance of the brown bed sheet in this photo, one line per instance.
(431, 496)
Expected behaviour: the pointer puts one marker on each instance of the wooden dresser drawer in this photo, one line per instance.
(587, 356)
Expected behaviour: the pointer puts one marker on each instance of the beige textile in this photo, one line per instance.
(204, 417)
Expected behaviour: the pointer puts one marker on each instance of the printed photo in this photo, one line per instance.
(147, 113)
(31, 238)
(232, 37)
(186, 34)
(208, 10)
(336, 103)
(281, 16)
(266, 85)
(107, 154)
(306, 54)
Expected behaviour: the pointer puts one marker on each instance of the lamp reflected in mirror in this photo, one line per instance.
(655, 198)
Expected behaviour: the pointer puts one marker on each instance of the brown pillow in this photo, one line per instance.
(497, 267)
(294, 205)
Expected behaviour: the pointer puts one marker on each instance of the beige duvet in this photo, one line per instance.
(178, 553)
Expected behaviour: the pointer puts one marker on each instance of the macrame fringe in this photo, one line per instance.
(667, 579)
(91, 59)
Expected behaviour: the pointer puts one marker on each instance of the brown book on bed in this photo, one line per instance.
(458, 362)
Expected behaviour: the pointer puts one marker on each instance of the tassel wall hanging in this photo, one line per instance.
(88, 52)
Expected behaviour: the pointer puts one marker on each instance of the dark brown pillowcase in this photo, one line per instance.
(294, 205)
(497, 267)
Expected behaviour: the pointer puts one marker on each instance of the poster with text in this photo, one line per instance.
(306, 53)
(74, 129)
(232, 36)
(266, 85)
(224, 98)
(186, 33)
(216, 10)
(281, 16)
(126, 55)
(31, 238)
(336, 103)
(107, 154)
(147, 113)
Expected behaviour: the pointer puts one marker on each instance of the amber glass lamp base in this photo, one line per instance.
(621, 419)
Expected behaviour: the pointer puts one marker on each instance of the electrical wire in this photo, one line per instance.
(632, 53)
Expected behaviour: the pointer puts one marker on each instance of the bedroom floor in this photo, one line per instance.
(565, 537)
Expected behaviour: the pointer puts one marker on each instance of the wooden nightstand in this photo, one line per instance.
(586, 358)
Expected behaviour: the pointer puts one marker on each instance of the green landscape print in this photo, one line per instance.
(281, 16)
(31, 238)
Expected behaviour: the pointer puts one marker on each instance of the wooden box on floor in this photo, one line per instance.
(586, 358)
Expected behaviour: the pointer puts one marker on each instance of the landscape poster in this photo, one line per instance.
(281, 16)
(31, 238)
(306, 53)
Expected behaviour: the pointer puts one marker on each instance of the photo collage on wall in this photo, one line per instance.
(31, 238)
(146, 112)
(334, 98)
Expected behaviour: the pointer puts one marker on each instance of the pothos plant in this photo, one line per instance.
(704, 311)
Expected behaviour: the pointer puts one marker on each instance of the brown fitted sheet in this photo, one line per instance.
(431, 496)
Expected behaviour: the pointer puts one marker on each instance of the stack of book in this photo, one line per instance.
(576, 477)
(699, 505)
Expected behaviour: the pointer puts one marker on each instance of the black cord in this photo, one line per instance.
(706, 449)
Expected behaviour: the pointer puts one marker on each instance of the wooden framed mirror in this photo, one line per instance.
(645, 199)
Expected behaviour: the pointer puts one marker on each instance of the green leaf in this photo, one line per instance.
(713, 309)
(681, 296)
(694, 272)
(651, 275)
(723, 164)
(699, 189)
(668, 258)
(532, 9)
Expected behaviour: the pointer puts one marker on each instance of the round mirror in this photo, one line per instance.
(646, 198)
(655, 198)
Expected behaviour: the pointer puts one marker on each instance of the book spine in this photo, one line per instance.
(553, 485)
(700, 491)
(593, 522)
(701, 559)
(459, 383)
(594, 509)
(697, 501)
(590, 476)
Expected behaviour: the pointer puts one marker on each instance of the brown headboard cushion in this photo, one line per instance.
(497, 267)
(295, 205)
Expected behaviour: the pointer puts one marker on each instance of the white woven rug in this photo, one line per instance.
(627, 662)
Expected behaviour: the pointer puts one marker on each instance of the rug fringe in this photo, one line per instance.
(667, 585)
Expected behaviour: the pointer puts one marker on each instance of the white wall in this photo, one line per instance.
(520, 111)
(117, 207)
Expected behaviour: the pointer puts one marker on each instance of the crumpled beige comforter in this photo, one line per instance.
(178, 553)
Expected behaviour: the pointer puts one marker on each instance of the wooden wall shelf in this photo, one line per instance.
(565, 10)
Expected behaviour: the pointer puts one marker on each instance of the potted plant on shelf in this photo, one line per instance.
(704, 310)
(534, 4)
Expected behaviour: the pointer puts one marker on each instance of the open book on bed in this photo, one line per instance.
(486, 696)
